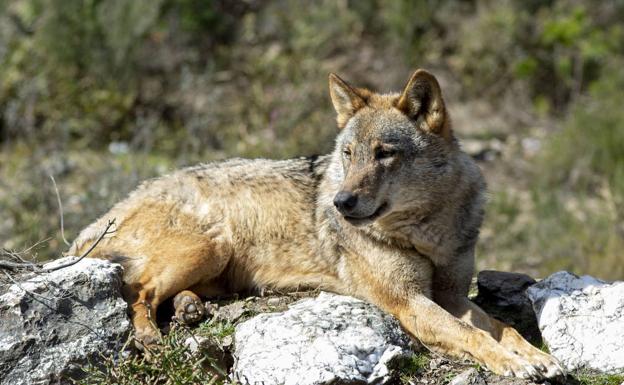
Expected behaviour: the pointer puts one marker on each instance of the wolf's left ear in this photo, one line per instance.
(345, 98)
(422, 98)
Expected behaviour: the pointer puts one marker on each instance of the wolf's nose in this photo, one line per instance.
(345, 201)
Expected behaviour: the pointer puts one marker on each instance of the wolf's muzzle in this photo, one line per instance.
(345, 202)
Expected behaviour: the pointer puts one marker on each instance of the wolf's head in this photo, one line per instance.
(394, 152)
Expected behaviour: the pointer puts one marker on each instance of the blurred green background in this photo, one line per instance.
(102, 94)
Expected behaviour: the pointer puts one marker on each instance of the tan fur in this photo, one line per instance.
(406, 245)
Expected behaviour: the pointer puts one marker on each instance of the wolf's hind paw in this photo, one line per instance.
(188, 308)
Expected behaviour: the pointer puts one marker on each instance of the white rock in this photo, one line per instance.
(51, 324)
(582, 320)
(319, 341)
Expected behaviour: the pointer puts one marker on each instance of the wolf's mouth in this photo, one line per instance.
(359, 221)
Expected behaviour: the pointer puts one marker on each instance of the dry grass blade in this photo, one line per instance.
(60, 204)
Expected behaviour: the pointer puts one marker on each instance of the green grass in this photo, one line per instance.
(216, 328)
(171, 364)
(600, 379)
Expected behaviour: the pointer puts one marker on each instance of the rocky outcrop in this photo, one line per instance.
(503, 296)
(324, 340)
(582, 320)
(51, 324)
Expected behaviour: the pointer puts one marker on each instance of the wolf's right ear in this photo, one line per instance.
(422, 98)
(345, 98)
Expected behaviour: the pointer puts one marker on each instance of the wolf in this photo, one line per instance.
(391, 216)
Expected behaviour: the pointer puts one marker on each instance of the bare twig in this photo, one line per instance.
(16, 262)
(11, 265)
(106, 232)
(60, 204)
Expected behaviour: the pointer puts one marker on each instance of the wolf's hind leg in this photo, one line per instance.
(172, 268)
(143, 313)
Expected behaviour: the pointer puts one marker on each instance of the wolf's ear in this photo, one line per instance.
(345, 98)
(422, 98)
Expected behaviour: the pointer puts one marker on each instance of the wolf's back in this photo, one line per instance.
(198, 189)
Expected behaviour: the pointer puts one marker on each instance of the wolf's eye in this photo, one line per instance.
(384, 153)
(347, 153)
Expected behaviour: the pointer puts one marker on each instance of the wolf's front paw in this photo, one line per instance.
(547, 365)
(535, 367)
(506, 363)
(189, 309)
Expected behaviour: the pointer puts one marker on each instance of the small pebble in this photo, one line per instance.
(468, 377)
(274, 301)
(227, 341)
(435, 363)
(211, 308)
(194, 343)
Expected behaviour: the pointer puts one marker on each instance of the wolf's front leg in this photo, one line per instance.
(505, 335)
(401, 285)
(451, 285)
(444, 333)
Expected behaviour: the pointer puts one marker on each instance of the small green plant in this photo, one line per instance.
(448, 377)
(543, 347)
(413, 366)
(477, 367)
